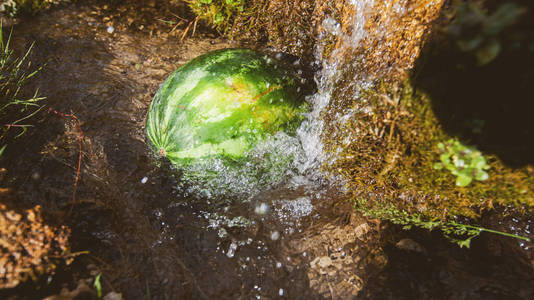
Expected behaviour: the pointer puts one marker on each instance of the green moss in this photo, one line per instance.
(220, 14)
(390, 164)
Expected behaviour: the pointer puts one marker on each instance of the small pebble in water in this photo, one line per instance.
(261, 209)
(110, 29)
(275, 235)
(144, 180)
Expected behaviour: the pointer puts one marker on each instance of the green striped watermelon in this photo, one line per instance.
(221, 104)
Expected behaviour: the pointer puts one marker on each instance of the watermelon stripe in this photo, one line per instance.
(221, 104)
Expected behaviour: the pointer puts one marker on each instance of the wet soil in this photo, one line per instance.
(150, 240)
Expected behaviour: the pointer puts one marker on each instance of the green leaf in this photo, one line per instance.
(459, 163)
(502, 18)
(438, 166)
(98, 286)
(481, 175)
(463, 180)
(478, 162)
(488, 52)
(471, 44)
(465, 243)
(219, 18)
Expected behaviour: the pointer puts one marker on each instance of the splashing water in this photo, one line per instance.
(280, 158)
(267, 165)
(311, 130)
(281, 181)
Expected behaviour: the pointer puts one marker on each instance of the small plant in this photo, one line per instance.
(218, 13)
(458, 233)
(464, 162)
(98, 286)
(477, 32)
(15, 110)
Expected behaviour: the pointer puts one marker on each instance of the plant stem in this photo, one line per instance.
(499, 232)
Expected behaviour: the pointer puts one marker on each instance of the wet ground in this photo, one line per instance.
(150, 240)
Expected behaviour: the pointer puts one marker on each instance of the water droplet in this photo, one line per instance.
(231, 250)
(281, 292)
(223, 233)
(275, 235)
(144, 180)
(261, 209)
(110, 29)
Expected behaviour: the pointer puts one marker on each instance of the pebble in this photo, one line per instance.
(324, 262)
(410, 245)
(113, 296)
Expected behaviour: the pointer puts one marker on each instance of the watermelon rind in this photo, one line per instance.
(222, 104)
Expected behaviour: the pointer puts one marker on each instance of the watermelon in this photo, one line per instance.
(222, 104)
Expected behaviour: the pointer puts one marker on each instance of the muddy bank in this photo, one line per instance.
(148, 238)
